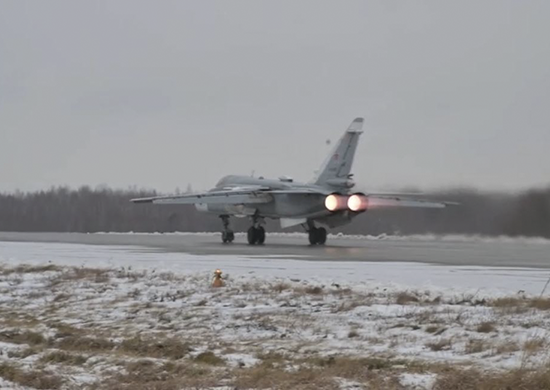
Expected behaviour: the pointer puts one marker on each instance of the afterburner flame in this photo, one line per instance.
(332, 202)
(357, 202)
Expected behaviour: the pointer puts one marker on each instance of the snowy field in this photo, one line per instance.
(103, 317)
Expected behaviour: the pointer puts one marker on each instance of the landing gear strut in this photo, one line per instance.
(317, 236)
(227, 234)
(256, 233)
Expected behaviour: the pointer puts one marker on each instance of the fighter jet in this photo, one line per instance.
(327, 201)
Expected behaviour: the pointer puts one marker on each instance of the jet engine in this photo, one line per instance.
(335, 202)
(358, 202)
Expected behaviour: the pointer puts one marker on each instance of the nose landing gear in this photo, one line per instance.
(227, 234)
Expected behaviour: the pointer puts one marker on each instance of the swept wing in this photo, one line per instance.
(235, 195)
(259, 194)
(381, 201)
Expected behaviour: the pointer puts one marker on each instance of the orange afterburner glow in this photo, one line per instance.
(335, 202)
(357, 202)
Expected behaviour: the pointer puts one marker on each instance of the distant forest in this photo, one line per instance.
(102, 209)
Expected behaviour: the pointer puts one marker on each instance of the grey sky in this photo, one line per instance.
(162, 94)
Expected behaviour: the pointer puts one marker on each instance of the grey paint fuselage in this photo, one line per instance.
(301, 204)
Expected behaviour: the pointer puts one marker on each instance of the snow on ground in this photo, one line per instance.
(102, 315)
(486, 281)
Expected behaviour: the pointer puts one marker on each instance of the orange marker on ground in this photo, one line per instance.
(218, 281)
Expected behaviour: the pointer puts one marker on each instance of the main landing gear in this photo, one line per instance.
(256, 232)
(227, 234)
(317, 236)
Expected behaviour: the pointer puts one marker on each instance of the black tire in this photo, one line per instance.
(260, 235)
(228, 237)
(313, 236)
(252, 236)
(321, 236)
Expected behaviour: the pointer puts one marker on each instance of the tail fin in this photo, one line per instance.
(337, 166)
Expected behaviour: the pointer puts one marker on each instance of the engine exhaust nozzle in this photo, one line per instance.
(335, 202)
(357, 203)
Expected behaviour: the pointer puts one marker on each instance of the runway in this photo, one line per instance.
(445, 250)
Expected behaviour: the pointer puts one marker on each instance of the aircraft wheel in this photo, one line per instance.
(260, 235)
(321, 236)
(252, 236)
(313, 236)
(228, 237)
(317, 236)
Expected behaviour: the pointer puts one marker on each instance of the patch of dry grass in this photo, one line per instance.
(280, 287)
(67, 275)
(534, 345)
(27, 269)
(452, 379)
(23, 353)
(320, 373)
(404, 298)
(440, 345)
(486, 327)
(314, 290)
(271, 359)
(60, 357)
(171, 348)
(209, 358)
(148, 375)
(540, 303)
(509, 305)
(26, 337)
(86, 344)
(505, 347)
(64, 330)
(520, 305)
(432, 329)
(264, 377)
(476, 346)
(37, 379)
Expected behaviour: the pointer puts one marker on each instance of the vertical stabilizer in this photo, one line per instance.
(337, 165)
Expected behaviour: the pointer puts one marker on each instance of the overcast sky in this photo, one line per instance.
(162, 94)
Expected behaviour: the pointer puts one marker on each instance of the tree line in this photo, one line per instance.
(103, 209)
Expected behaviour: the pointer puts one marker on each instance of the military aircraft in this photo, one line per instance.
(328, 200)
